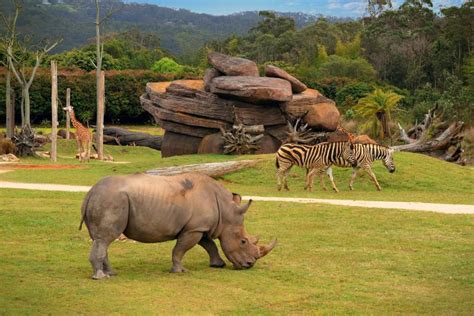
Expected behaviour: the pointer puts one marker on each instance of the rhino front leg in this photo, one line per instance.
(186, 241)
(211, 248)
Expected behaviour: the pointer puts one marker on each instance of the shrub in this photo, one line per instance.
(122, 94)
(358, 68)
(167, 65)
(351, 93)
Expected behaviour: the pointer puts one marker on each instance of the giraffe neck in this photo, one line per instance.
(74, 121)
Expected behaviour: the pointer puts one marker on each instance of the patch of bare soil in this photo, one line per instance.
(43, 167)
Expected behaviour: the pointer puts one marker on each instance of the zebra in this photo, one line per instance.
(365, 155)
(314, 157)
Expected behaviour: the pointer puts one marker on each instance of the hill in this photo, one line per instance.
(181, 31)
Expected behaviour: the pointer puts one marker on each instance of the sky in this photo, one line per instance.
(339, 8)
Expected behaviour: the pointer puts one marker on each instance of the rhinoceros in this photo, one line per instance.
(192, 208)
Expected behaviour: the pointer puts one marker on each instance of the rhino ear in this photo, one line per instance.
(237, 198)
(242, 209)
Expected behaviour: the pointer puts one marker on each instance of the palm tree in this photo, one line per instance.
(378, 107)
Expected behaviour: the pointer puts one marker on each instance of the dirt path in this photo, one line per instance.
(410, 206)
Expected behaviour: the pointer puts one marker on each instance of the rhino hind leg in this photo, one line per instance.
(99, 259)
(211, 248)
(186, 241)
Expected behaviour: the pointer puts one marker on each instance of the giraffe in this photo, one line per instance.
(83, 136)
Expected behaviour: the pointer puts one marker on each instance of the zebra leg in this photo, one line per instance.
(354, 174)
(309, 179)
(374, 178)
(329, 173)
(285, 176)
(321, 179)
(279, 176)
(282, 174)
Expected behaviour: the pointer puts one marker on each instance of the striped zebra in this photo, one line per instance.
(314, 157)
(365, 155)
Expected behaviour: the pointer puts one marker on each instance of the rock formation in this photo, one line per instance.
(200, 116)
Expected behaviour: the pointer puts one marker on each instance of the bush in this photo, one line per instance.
(351, 93)
(167, 65)
(358, 68)
(122, 94)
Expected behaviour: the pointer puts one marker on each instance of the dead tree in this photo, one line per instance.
(25, 142)
(299, 133)
(434, 137)
(242, 139)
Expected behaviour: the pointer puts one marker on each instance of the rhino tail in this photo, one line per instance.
(84, 209)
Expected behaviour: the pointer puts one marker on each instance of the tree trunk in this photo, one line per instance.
(11, 110)
(8, 103)
(54, 111)
(24, 96)
(100, 85)
(213, 169)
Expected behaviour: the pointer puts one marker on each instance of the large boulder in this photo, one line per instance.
(175, 144)
(210, 74)
(322, 113)
(233, 66)
(296, 85)
(268, 145)
(253, 89)
(212, 144)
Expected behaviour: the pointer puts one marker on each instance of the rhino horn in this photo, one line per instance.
(242, 209)
(264, 250)
(254, 239)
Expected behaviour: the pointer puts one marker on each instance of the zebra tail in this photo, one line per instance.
(277, 164)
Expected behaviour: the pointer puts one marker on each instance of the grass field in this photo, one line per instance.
(329, 260)
(418, 177)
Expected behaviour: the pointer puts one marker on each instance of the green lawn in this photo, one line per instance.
(418, 177)
(329, 260)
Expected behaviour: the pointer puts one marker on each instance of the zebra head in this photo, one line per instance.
(388, 161)
(348, 154)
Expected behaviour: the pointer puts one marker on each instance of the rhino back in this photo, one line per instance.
(159, 208)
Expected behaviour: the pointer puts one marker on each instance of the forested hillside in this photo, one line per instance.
(389, 67)
(180, 31)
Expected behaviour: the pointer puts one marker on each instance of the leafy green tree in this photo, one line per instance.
(350, 49)
(468, 70)
(377, 108)
(358, 68)
(350, 94)
(167, 65)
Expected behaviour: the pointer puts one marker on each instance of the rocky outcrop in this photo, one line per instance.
(253, 89)
(321, 112)
(210, 74)
(233, 66)
(232, 99)
(296, 85)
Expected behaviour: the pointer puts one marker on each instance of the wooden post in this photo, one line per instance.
(100, 118)
(68, 117)
(11, 115)
(54, 110)
(8, 103)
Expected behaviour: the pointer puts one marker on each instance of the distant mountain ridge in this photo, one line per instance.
(181, 31)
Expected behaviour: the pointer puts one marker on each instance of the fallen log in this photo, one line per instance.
(434, 139)
(213, 169)
(121, 136)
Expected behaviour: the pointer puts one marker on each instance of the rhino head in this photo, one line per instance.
(240, 247)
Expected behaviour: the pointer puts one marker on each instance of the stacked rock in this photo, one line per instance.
(195, 112)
